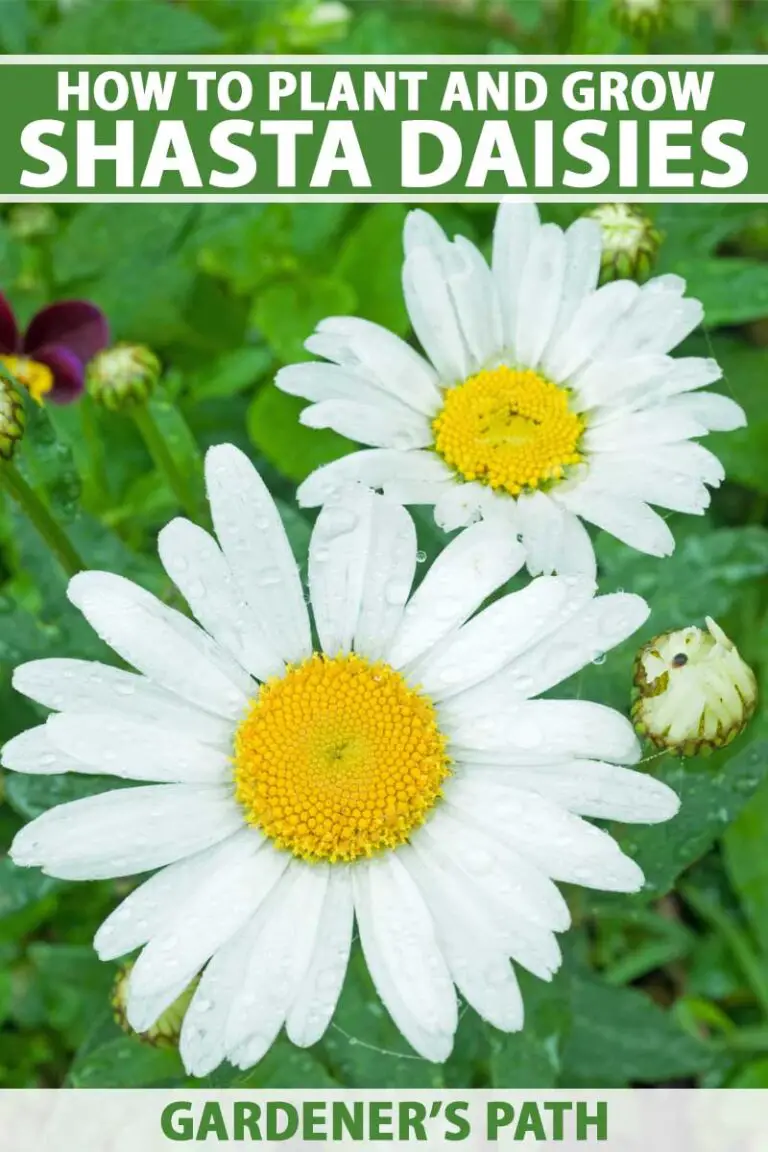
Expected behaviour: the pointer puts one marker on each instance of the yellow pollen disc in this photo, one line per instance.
(508, 428)
(36, 378)
(339, 759)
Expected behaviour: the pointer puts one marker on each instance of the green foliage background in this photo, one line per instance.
(668, 986)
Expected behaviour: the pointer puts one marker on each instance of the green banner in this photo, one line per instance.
(380, 127)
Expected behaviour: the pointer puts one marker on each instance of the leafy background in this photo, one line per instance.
(670, 986)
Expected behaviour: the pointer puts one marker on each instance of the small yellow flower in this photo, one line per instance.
(693, 691)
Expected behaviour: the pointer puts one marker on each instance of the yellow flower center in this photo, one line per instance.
(508, 428)
(339, 759)
(36, 378)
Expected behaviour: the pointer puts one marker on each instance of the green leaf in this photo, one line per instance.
(713, 792)
(107, 25)
(283, 1067)
(746, 862)
(273, 426)
(619, 1036)
(99, 237)
(286, 313)
(21, 887)
(742, 452)
(127, 1062)
(371, 262)
(234, 373)
(532, 1058)
(732, 290)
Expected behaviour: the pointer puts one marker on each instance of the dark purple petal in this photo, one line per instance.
(9, 332)
(68, 373)
(77, 325)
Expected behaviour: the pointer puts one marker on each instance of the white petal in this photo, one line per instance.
(540, 523)
(593, 788)
(382, 425)
(600, 626)
(167, 647)
(685, 459)
(222, 904)
(149, 908)
(252, 536)
(477, 305)
(717, 413)
(631, 478)
(657, 322)
(544, 730)
(583, 249)
(656, 426)
(517, 889)
(491, 639)
(127, 831)
(379, 355)
(561, 844)
(465, 573)
(433, 315)
(490, 892)
(481, 971)
(278, 962)
(464, 503)
(112, 744)
(577, 556)
(313, 1008)
(517, 222)
(379, 468)
(319, 382)
(616, 383)
(33, 753)
(389, 572)
(86, 686)
(403, 956)
(630, 521)
(202, 1044)
(338, 552)
(542, 291)
(362, 560)
(593, 323)
(195, 563)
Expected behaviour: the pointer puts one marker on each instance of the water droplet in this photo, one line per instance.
(420, 557)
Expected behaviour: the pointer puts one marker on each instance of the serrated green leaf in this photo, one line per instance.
(371, 262)
(97, 27)
(532, 1058)
(126, 1062)
(732, 290)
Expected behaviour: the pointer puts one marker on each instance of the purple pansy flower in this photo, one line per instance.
(49, 358)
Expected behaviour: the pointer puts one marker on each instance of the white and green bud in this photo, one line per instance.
(122, 377)
(693, 692)
(12, 418)
(641, 18)
(32, 221)
(630, 242)
(166, 1030)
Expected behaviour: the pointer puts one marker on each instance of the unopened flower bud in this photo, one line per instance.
(630, 242)
(641, 18)
(12, 418)
(166, 1030)
(32, 221)
(123, 376)
(693, 692)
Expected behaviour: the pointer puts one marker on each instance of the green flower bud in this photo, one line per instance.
(641, 18)
(166, 1030)
(123, 376)
(12, 418)
(693, 692)
(32, 221)
(630, 242)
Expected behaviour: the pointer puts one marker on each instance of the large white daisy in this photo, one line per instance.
(398, 772)
(544, 399)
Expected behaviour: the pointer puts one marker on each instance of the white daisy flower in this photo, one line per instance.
(399, 773)
(543, 398)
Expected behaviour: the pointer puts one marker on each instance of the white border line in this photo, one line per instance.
(400, 62)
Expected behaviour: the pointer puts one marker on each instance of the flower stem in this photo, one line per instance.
(28, 500)
(164, 462)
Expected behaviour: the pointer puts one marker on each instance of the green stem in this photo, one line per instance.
(33, 506)
(95, 445)
(164, 462)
